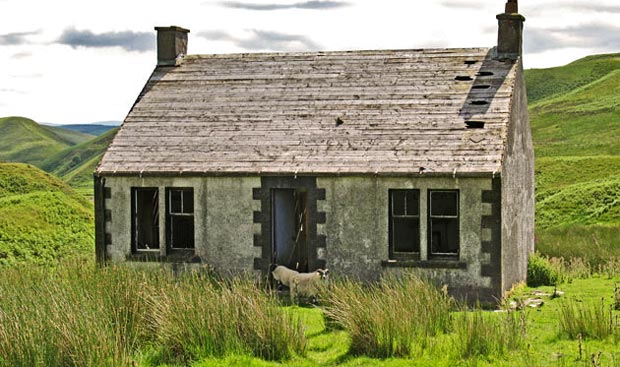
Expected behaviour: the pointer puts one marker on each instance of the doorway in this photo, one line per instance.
(290, 228)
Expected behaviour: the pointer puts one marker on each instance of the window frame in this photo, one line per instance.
(457, 218)
(170, 215)
(402, 255)
(134, 220)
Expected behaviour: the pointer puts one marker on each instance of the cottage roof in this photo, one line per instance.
(356, 112)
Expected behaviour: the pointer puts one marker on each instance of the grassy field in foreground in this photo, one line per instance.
(115, 316)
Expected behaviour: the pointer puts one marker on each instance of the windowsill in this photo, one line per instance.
(174, 256)
(429, 264)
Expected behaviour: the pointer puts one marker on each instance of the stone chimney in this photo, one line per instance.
(171, 45)
(510, 32)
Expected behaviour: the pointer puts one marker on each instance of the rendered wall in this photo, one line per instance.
(357, 235)
(517, 190)
(223, 222)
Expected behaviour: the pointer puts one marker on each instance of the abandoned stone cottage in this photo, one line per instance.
(363, 162)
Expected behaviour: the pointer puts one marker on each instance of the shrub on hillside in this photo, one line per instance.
(540, 271)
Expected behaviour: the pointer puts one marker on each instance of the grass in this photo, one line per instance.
(42, 220)
(77, 315)
(423, 312)
(546, 83)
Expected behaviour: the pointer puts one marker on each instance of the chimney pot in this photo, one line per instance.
(171, 45)
(512, 7)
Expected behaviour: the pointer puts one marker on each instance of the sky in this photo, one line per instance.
(84, 61)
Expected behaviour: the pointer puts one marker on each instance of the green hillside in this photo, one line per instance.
(575, 116)
(75, 165)
(545, 83)
(23, 140)
(42, 220)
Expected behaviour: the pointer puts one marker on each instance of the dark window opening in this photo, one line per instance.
(404, 210)
(470, 62)
(180, 218)
(443, 222)
(481, 86)
(484, 73)
(145, 219)
(463, 78)
(479, 103)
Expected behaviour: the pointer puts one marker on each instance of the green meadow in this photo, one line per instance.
(58, 309)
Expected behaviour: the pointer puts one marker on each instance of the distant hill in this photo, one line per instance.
(75, 165)
(575, 117)
(23, 140)
(92, 129)
(42, 220)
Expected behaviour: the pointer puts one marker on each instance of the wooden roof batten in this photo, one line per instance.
(375, 112)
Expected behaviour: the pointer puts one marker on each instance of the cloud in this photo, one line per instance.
(128, 40)
(462, 4)
(21, 55)
(13, 39)
(599, 37)
(265, 41)
(313, 4)
(580, 6)
(12, 90)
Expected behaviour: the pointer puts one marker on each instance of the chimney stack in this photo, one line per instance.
(510, 32)
(171, 45)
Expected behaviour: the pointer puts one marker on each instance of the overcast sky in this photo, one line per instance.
(79, 61)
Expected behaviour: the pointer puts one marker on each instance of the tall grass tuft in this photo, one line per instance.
(588, 320)
(197, 319)
(84, 316)
(70, 316)
(482, 333)
(391, 317)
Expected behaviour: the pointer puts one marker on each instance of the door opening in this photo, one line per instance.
(290, 228)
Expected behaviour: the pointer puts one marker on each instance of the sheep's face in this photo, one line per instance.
(323, 273)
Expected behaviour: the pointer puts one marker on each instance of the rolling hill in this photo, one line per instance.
(23, 140)
(575, 116)
(92, 129)
(75, 165)
(42, 220)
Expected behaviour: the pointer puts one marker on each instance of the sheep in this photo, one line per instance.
(283, 275)
(309, 284)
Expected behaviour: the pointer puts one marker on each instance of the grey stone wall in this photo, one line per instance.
(355, 226)
(517, 190)
(223, 222)
(357, 235)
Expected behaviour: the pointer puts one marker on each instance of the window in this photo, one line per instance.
(180, 218)
(404, 223)
(443, 222)
(144, 219)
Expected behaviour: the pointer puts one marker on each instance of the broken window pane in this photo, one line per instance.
(443, 222)
(404, 222)
(145, 219)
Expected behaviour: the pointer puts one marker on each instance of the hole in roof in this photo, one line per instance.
(481, 86)
(484, 73)
(339, 121)
(474, 124)
(470, 62)
(479, 102)
(463, 78)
